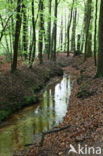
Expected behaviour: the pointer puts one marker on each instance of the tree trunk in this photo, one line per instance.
(74, 31)
(88, 33)
(65, 46)
(25, 31)
(89, 47)
(100, 51)
(95, 33)
(52, 43)
(41, 31)
(68, 29)
(55, 32)
(61, 34)
(49, 31)
(34, 34)
(17, 34)
(78, 44)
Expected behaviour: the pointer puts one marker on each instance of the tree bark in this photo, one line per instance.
(88, 33)
(49, 31)
(25, 31)
(100, 50)
(17, 34)
(61, 34)
(74, 31)
(65, 46)
(95, 33)
(55, 31)
(34, 33)
(68, 29)
(41, 31)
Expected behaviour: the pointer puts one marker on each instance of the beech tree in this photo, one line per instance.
(74, 30)
(25, 30)
(87, 28)
(100, 50)
(55, 30)
(95, 33)
(17, 35)
(44, 24)
(41, 7)
(49, 30)
(68, 28)
(33, 44)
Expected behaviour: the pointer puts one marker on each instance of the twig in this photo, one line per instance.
(49, 132)
(52, 131)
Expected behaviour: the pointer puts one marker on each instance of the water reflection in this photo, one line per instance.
(24, 127)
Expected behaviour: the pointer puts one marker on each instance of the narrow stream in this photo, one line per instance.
(25, 126)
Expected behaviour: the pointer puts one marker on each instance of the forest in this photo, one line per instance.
(51, 77)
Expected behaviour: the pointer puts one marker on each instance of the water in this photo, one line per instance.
(25, 126)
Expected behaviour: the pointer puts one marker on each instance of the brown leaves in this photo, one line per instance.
(84, 115)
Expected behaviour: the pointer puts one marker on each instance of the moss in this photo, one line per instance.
(4, 114)
(84, 91)
(30, 100)
(79, 80)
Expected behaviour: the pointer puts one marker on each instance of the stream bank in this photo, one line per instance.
(25, 127)
(62, 61)
(21, 88)
(84, 115)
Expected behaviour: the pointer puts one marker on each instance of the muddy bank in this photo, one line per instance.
(21, 89)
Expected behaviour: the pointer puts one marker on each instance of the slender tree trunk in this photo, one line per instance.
(61, 34)
(65, 47)
(17, 34)
(25, 31)
(83, 30)
(30, 48)
(52, 43)
(49, 31)
(68, 29)
(78, 44)
(74, 31)
(34, 34)
(95, 33)
(88, 35)
(55, 31)
(82, 43)
(100, 51)
(89, 46)
(41, 31)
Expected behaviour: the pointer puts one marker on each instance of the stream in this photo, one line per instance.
(25, 126)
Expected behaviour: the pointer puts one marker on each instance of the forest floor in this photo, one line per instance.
(84, 116)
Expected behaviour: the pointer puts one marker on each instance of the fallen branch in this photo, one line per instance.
(52, 131)
(49, 132)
